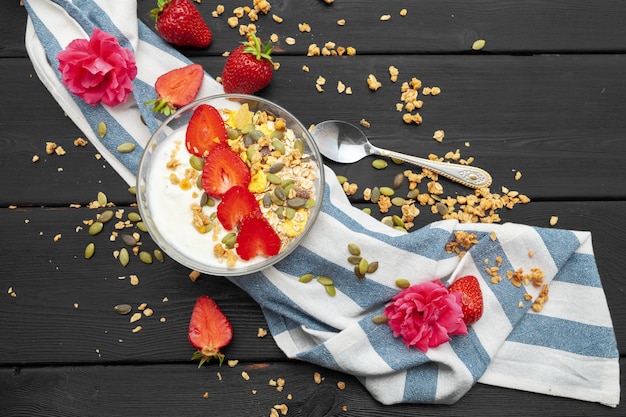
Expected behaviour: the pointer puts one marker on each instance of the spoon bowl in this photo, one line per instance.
(345, 143)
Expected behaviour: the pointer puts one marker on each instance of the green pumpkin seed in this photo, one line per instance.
(387, 191)
(105, 216)
(124, 256)
(290, 213)
(366, 210)
(142, 226)
(310, 202)
(412, 195)
(229, 240)
(95, 228)
(358, 273)
(478, 44)
(279, 193)
(123, 309)
(267, 200)
(354, 259)
(296, 202)
(398, 180)
(375, 195)
(247, 128)
(232, 133)
(373, 267)
(102, 129)
(102, 199)
(126, 147)
(341, 179)
(274, 179)
(299, 146)
(280, 212)
(379, 163)
(132, 190)
(145, 257)
(277, 134)
(397, 161)
(398, 201)
(330, 290)
(400, 228)
(363, 266)
(196, 162)
(354, 249)
(278, 145)
(90, 250)
(275, 167)
(403, 283)
(250, 153)
(158, 255)
(134, 217)
(397, 220)
(442, 209)
(306, 278)
(380, 319)
(277, 200)
(324, 280)
(129, 240)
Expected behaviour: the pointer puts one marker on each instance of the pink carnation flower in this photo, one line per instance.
(426, 315)
(98, 70)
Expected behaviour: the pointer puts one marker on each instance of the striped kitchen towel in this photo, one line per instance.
(567, 349)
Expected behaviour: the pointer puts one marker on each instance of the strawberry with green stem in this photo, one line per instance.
(180, 23)
(249, 68)
(177, 88)
(209, 330)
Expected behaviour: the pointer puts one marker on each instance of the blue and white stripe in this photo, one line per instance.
(569, 349)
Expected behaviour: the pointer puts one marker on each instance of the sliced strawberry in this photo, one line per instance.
(206, 129)
(236, 203)
(222, 170)
(177, 88)
(256, 237)
(209, 330)
(471, 298)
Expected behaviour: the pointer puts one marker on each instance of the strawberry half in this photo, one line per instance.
(180, 23)
(256, 237)
(471, 298)
(177, 88)
(236, 203)
(249, 68)
(209, 330)
(222, 170)
(206, 129)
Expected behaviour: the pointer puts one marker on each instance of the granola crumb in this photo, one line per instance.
(554, 220)
(439, 135)
(261, 332)
(365, 123)
(232, 363)
(317, 378)
(372, 83)
(194, 275)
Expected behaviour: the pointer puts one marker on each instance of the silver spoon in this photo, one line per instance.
(346, 143)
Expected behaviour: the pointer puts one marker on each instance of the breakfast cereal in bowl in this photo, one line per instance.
(230, 184)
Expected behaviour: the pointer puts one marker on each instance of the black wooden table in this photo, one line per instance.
(545, 97)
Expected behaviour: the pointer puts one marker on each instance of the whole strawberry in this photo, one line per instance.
(249, 68)
(471, 298)
(179, 22)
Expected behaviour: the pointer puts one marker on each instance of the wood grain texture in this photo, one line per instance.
(545, 97)
(177, 389)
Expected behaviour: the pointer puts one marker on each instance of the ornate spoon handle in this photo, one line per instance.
(463, 174)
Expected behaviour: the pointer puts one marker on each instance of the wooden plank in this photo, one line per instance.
(566, 148)
(429, 26)
(65, 303)
(178, 389)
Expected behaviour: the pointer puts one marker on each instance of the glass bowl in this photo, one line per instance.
(168, 187)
